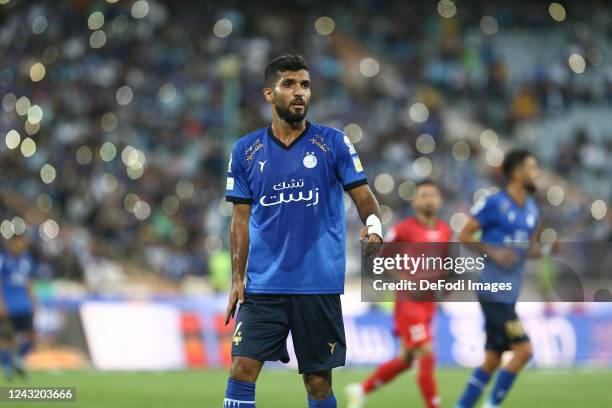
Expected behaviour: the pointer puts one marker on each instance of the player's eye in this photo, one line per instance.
(306, 85)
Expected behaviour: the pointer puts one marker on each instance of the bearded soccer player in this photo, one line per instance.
(17, 305)
(287, 235)
(509, 224)
(412, 318)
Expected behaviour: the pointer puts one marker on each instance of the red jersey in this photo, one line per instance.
(413, 319)
(412, 230)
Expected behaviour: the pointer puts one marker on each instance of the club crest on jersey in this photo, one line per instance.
(310, 160)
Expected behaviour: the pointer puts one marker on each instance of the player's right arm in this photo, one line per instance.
(239, 239)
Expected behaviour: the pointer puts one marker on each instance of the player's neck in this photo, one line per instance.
(429, 221)
(517, 193)
(287, 132)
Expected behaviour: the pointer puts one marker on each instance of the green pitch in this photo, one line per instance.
(280, 388)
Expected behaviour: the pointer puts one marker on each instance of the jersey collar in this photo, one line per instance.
(297, 139)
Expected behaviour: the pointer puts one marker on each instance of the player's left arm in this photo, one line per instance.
(369, 212)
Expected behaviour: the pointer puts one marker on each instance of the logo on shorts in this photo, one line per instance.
(237, 337)
(332, 347)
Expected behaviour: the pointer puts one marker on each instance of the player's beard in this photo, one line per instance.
(530, 187)
(291, 117)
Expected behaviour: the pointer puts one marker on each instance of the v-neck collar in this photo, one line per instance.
(297, 139)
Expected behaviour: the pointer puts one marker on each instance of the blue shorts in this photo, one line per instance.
(263, 323)
(502, 326)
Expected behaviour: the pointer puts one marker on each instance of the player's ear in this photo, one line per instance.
(268, 94)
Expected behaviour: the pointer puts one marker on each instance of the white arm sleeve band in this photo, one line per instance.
(374, 225)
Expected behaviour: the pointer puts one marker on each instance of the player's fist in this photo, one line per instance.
(236, 296)
(373, 241)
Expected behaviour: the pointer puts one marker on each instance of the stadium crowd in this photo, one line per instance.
(118, 115)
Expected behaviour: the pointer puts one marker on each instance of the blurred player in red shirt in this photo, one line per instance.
(412, 318)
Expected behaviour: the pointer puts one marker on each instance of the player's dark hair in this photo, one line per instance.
(514, 159)
(427, 182)
(284, 63)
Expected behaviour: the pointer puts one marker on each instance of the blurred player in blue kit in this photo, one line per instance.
(509, 221)
(16, 306)
(287, 183)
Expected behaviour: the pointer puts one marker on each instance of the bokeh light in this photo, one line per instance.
(109, 122)
(47, 173)
(325, 25)
(422, 167)
(369, 67)
(95, 20)
(35, 114)
(39, 25)
(97, 39)
(577, 63)
(384, 183)
(108, 182)
(354, 132)
(31, 128)
(488, 139)
(461, 151)
(9, 101)
(223, 28)
(124, 95)
(184, 189)
(48, 230)
(108, 151)
(418, 112)
(488, 25)
(12, 139)
(44, 202)
(555, 195)
(167, 93)
(406, 190)
(22, 106)
(170, 205)
(447, 8)
(386, 214)
(142, 210)
(425, 143)
(457, 221)
(548, 236)
(599, 209)
(129, 201)
(557, 12)
(19, 225)
(225, 208)
(28, 147)
(37, 72)
(83, 155)
(494, 157)
(140, 9)
(7, 229)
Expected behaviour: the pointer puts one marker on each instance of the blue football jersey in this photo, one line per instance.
(504, 222)
(16, 273)
(297, 222)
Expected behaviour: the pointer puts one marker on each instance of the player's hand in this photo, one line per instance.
(236, 296)
(504, 257)
(373, 242)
